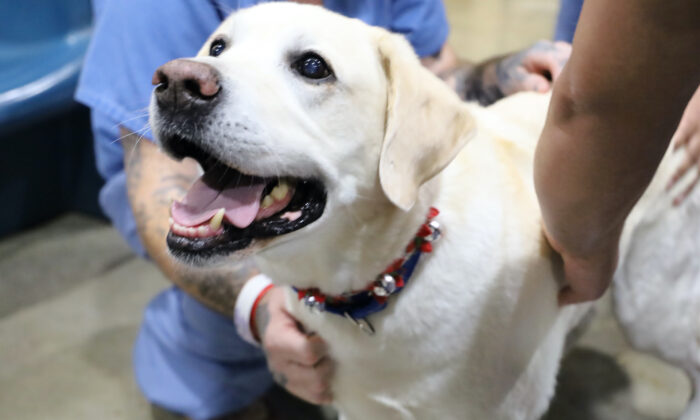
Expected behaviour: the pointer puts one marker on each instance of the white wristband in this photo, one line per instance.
(244, 305)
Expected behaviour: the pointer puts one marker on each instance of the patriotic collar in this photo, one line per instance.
(356, 306)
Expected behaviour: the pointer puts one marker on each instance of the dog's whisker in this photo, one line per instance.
(139, 114)
(140, 132)
(223, 175)
(141, 137)
(273, 153)
(138, 140)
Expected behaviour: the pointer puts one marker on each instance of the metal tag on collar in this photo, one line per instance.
(384, 285)
(361, 323)
(314, 305)
(435, 231)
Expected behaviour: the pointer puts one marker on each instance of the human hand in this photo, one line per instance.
(688, 136)
(533, 69)
(298, 361)
(586, 278)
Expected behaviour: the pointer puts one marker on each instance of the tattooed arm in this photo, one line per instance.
(153, 181)
(532, 69)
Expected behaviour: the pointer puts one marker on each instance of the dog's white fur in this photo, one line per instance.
(657, 285)
(477, 333)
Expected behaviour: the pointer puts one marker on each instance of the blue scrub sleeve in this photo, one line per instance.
(423, 23)
(569, 12)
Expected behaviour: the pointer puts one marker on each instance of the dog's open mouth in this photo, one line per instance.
(225, 210)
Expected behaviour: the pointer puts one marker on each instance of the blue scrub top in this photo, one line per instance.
(134, 37)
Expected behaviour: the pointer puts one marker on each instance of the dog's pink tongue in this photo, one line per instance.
(202, 202)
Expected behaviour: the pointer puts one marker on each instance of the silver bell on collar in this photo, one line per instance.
(313, 304)
(435, 231)
(385, 285)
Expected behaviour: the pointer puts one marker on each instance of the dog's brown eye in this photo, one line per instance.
(217, 47)
(312, 66)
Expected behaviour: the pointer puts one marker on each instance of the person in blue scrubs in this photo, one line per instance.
(188, 357)
(567, 20)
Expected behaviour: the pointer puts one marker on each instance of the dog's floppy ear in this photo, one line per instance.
(426, 123)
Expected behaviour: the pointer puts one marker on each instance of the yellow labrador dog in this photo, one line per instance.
(326, 148)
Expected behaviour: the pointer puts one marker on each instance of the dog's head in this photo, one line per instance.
(302, 120)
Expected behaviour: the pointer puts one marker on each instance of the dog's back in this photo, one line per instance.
(657, 284)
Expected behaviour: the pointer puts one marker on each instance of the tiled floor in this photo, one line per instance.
(71, 297)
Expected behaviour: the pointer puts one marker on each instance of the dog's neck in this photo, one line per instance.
(348, 254)
(374, 297)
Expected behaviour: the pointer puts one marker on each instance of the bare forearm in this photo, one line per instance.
(613, 112)
(153, 181)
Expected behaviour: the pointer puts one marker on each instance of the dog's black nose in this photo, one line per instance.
(184, 83)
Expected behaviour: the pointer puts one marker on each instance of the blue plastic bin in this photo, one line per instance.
(42, 45)
(46, 160)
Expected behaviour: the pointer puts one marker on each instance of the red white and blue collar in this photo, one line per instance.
(356, 306)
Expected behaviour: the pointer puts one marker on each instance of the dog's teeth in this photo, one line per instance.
(171, 221)
(215, 222)
(280, 191)
(202, 231)
(267, 201)
(191, 231)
